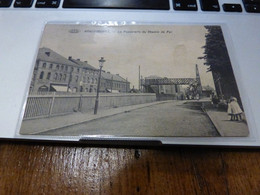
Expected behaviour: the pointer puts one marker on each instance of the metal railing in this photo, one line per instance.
(47, 105)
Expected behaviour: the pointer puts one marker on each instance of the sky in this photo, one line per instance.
(163, 50)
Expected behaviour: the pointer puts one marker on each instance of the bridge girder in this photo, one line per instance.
(169, 81)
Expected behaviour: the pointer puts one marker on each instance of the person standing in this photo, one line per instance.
(229, 111)
(234, 109)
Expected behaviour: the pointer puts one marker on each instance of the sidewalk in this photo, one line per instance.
(36, 126)
(225, 127)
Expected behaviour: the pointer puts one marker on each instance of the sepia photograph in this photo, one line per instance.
(133, 80)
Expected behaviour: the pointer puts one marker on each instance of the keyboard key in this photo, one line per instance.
(252, 8)
(47, 3)
(209, 5)
(232, 7)
(23, 3)
(251, 1)
(118, 4)
(189, 5)
(5, 3)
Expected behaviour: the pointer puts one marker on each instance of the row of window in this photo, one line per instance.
(90, 80)
(59, 67)
(60, 77)
(66, 68)
(90, 90)
(115, 85)
(75, 89)
(63, 77)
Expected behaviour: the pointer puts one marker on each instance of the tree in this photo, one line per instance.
(217, 59)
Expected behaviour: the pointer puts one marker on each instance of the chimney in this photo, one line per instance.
(70, 57)
(48, 53)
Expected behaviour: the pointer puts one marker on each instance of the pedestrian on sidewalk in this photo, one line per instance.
(215, 101)
(234, 109)
(229, 111)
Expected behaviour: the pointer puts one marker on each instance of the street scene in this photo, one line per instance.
(168, 83)
(168, 118)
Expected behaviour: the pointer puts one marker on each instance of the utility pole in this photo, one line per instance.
(112, 78)
(70, 79)
(198, 80)
(126, 85)
(142, 90)
(139, 78)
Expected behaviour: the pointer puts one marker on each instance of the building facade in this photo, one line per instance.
(88, 77)
(113, 83)
(55, 73)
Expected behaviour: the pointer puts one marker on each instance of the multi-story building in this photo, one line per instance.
(113, 83)
(88, 76)
(53, 72)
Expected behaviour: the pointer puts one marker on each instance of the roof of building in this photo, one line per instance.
(153, 77)
(114, 77)
(83, 64)
(48, 55)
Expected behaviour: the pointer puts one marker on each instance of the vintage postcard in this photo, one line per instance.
(133, 80)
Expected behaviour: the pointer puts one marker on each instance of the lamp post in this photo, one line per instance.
(101, 62)
(126, 85)
(70, 79)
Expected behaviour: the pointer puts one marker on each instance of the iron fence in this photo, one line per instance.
(52, 104)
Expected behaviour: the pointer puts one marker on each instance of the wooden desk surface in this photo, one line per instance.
(27, 168)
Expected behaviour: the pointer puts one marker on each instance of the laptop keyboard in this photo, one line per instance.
(118, 4)
(251, 6)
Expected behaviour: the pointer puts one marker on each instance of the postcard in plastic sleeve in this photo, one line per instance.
(133, 80)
